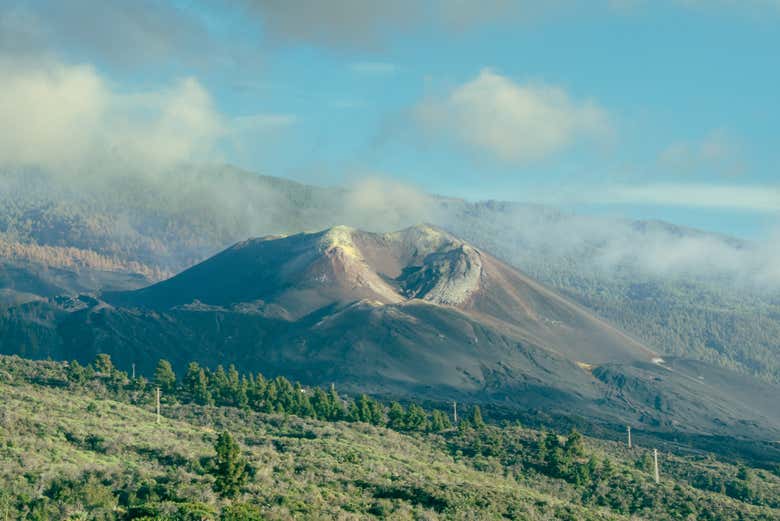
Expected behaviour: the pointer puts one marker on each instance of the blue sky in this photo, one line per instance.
(664, 110)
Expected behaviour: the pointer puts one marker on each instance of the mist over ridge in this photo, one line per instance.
(682, 291)
(169, 220)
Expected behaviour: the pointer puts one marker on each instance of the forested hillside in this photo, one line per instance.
(83, 443)
(664, 284)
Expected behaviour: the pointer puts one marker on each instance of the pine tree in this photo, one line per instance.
(558, 463)
(364, 413)
(139, 384)
(395, 416)
(234, 386)
(607, 468)
(196, 384)
(645, 462)
(103, 364)
(338, 412)
(542, 447)
(231, 470)
(303, 406)
(550, 452)
(285, 396)
(270, 397)
(242, 395)
(218, 385)
(476, 418)
(416, 419)
(164, 377)
(592, 466)
(377, 413)
(321, 404)
(256, 391)
(574, 447)
(76, 373)
(353, 412)
(439, 421)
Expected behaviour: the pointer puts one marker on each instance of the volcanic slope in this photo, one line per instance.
(417, 313)
(302, 275)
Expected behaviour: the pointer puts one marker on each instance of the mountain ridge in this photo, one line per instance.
(623, 270)
(418, 312)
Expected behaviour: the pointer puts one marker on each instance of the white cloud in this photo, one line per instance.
(45, 113)
(66, 117)
(750, 198)
(379, 203)
(515, 123)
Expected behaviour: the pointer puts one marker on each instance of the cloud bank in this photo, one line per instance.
(68, 117)
(543, 240)
(516, 123)
(745, 198)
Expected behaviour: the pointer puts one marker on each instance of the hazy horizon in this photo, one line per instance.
(662, 110)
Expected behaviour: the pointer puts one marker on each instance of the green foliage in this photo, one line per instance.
(697, 315)
(196, 385)
(231, 470)
(574, 445)
(164, 377)
(92, 451)
(396, 417)
(645, 462)
(241, 512)
(415, 418)
(367, 410)
(440, 421)
(694, 316)
(77, 373)
(103, 364)
(476, 417)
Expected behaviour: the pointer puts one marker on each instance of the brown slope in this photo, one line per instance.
(299, 274)
(524, 307)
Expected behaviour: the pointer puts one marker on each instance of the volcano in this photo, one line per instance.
(343, 270)
(417, 314)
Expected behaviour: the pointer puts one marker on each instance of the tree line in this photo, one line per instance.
(227, 387)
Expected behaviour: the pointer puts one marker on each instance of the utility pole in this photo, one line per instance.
(655, 465)
(158, 405)
(628, 429)
(455, 412)
(133, 370)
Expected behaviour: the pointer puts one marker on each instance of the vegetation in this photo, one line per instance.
(52, 223)
(230, 470)
(732, 329)
(81, 443)
(697, 314)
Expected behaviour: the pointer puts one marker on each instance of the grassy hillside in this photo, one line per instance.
(415, 351)
(92, 450)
